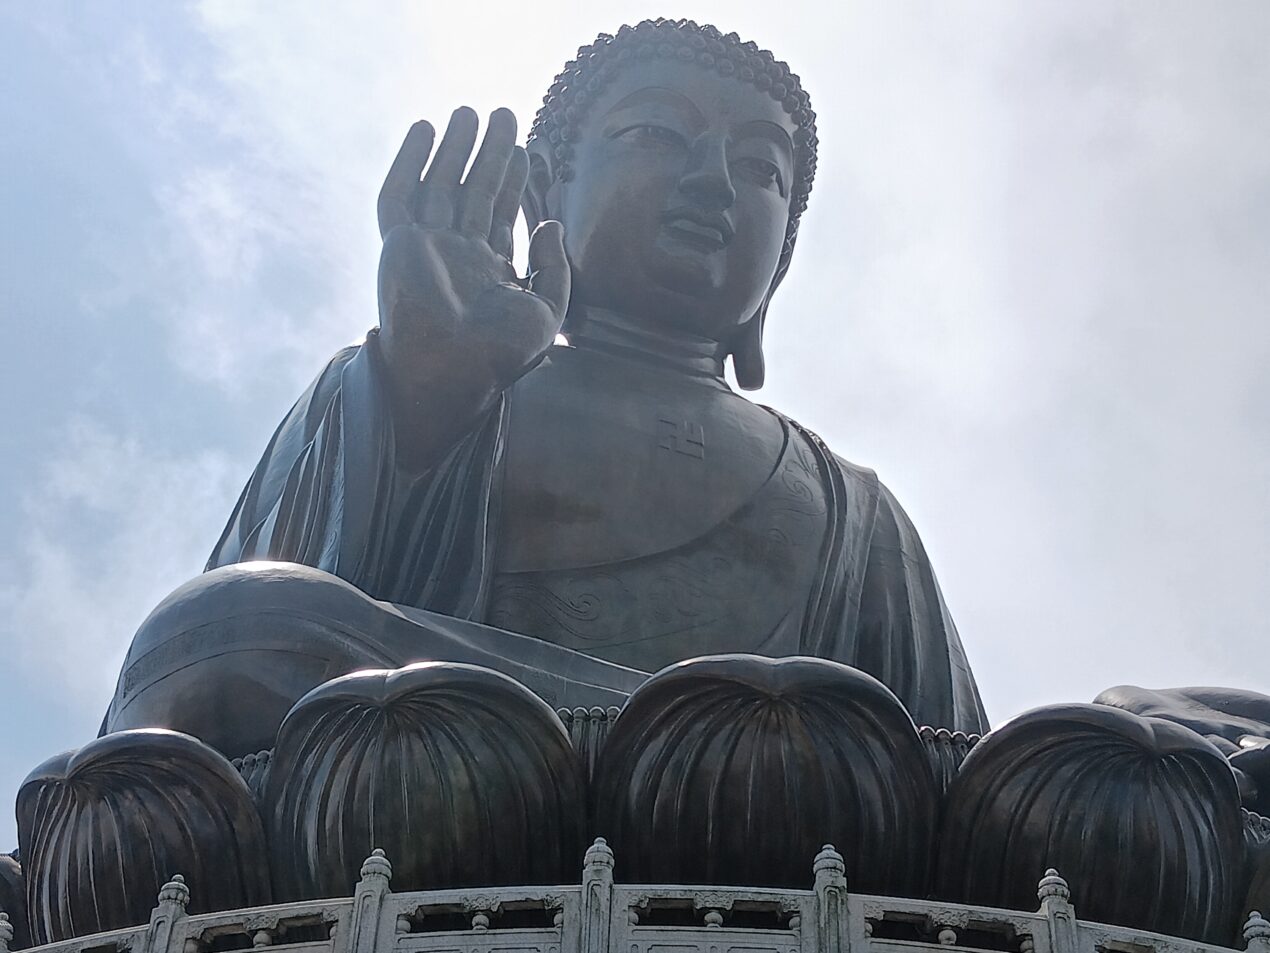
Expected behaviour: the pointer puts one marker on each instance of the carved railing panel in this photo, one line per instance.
(598, 916)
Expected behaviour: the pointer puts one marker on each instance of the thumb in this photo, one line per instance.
(548, 267)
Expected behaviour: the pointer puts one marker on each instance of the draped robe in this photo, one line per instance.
(329, 493)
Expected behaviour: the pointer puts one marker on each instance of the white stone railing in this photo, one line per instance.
(599, 916)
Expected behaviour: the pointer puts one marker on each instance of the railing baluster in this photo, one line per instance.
(597, 897)
(1060, 917)
(831, 901)
(162, 933)
(1256, 933)
(369, 904)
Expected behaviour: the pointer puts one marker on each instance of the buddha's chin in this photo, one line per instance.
(687, 269)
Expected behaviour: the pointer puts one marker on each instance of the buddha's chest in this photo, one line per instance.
(605, 464)
(646, 531)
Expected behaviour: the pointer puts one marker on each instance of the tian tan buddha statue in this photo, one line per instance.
(463, 526)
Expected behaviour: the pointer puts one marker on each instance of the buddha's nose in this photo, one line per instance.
(707, 181)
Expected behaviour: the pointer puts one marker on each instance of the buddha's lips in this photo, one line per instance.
(709, 229)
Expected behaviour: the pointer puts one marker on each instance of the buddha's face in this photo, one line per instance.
(680, 196)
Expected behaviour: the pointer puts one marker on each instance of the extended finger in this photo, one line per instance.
(549, 275)
(483, 182)
(507, 205)
(397, 197)
(441, 182)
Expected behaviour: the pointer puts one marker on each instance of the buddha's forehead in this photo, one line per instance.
(690, 89)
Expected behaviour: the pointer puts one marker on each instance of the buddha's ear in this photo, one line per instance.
(747, 343)
(534, 199)
(747, 350)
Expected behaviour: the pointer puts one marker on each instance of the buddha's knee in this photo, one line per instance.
(469, 774)
(1141, 816)
(225, 656)
(737, 768)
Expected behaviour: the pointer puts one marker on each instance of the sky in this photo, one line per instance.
(1032, 291)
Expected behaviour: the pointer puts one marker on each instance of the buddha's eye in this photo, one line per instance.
(650, 134)
(761, 171)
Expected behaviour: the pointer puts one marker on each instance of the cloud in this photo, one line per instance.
(111, 527)
(227, 243)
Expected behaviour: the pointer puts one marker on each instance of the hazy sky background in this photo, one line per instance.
(1032, 291)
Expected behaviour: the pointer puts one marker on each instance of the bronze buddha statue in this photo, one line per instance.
(464, 523)
(612, 496)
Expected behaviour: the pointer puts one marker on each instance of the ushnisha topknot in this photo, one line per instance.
(585, 76)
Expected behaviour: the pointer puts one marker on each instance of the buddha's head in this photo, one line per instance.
(679, 161)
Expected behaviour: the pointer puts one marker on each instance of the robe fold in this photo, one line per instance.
(329, 493)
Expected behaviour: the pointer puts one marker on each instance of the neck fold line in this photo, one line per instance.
(616, 334)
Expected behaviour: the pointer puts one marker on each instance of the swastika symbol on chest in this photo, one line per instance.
(683, 437)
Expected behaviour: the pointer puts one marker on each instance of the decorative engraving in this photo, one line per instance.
(482, 903)
(712, 900)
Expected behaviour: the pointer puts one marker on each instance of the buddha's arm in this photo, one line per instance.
(457, 327)
(332, 492)
(324, 490)
(260, 526)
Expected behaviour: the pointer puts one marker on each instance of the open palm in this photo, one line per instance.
(458, 325)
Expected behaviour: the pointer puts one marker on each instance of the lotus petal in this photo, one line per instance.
(735, 769)
(101, 829)
(1140, 815)
(463, 775)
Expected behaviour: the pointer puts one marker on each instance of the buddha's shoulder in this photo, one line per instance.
(816, 451)
(863, 490)
(864, 496)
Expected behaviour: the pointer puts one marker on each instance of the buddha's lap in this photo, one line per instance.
(226, 655)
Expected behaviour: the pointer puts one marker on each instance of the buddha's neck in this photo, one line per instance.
(621, 336)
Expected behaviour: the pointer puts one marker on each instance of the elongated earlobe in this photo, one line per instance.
(747, 351)
(747, 343)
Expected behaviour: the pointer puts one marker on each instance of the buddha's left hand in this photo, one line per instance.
(1235, 720)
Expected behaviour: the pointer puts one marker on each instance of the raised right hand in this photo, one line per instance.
(457, 325)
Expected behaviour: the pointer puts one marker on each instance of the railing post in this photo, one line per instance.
(161, 936)
(1060, 916)
(369, 901)
(831, 901)
(597, 897)
(1256, 934)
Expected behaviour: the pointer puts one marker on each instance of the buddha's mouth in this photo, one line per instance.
(710, 231)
